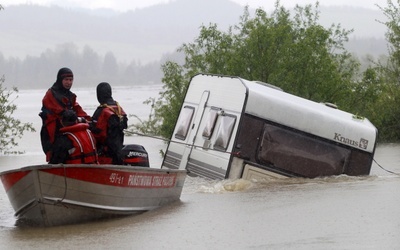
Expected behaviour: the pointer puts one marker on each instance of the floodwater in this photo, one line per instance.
(325, 213)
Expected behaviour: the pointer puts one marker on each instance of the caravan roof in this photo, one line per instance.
(319, 119)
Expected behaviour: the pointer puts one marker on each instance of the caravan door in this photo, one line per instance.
(193, 127)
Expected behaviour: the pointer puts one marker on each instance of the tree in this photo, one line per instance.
(110, 65)
(90, 61)
(169, 103)
(387, 106)
(10, 128)
(392, 12)
(294, 53)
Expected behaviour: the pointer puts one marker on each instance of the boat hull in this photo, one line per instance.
(51, 195)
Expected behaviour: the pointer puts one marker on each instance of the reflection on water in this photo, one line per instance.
(338, 212)
(330, 213)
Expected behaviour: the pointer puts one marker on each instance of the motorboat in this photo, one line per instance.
(52, 195)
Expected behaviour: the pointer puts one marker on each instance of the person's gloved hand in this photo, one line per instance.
(81, 120)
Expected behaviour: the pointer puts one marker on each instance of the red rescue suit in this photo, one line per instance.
(51, 103)
(109, 137)
(102, 120)
(84, 144)
(53, 106)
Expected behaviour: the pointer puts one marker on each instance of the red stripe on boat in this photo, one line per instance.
(116, 177)
(11, 178)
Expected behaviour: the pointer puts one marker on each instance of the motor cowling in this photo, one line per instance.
(135, 155)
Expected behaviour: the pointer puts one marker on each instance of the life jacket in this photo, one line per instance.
(84, 144)
(102, 120)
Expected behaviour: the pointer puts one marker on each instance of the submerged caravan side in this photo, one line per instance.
(283, 135)
(207, 125)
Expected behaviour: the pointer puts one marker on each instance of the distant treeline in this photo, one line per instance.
(88, 66)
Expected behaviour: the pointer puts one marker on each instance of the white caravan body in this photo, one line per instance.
(229, 127)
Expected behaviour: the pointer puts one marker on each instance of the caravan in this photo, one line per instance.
(230, 128)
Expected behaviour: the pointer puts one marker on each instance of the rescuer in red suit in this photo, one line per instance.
(75, 144)
(108, 123)
(58, 99)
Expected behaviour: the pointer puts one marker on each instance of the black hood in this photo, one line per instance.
(62, 73)
(104, 93)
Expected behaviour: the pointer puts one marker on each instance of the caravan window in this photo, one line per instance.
(299, 153)
(184, 122)
(211, 120)
(224, 131)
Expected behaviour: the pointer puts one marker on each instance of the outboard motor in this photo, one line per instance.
(135, 155)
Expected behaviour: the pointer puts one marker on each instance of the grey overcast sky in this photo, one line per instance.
(124, 5)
